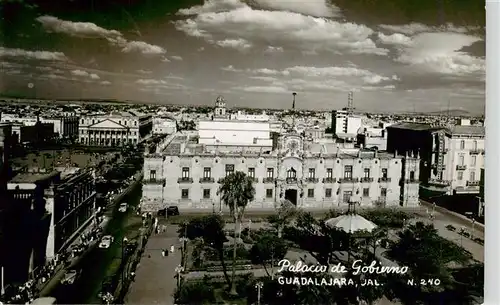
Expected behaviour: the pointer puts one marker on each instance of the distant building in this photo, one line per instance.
(241, 116)
(164, 125)
(185, 173)
(373, 137)
(36, 134)
(51, 208)
(481, 194)
(115, 129)
(314, 133)
(65, 126)
(451, 157)
(345, 125)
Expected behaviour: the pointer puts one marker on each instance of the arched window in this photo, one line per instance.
(291, 173)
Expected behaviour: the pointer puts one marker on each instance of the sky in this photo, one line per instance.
(254, 53)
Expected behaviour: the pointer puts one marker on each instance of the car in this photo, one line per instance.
(123, 208)
(173, 211)
(162, 213)
(106, 241)
(70, 277)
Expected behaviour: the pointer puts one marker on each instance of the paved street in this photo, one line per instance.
(155, 280)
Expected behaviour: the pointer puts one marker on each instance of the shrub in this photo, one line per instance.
(195, 292)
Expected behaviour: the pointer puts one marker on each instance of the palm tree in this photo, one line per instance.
(236, 191)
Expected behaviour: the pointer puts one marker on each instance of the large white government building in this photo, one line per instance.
(184, 170)
(114, 129)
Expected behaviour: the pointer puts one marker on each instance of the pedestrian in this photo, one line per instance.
(172, 248)
(163, 253)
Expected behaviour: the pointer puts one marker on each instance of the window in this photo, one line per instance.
(367, 172)
(412, 175)
(251, 172)
(270, 173)
(207, 172)
(366, 192)
(461, 160)
(206, 194)
(185, 172)
(269, 193)
(184, 193)
(310, 193)
(229, 169)
(329, 173)
(473, 161)
(462, 144)
(384, 173)
(472, 176)
(475, 145)
(383, 192)
(347, 196)
(291, 173)
(348, 172)
(328, 193)
(460, 175)
(312, 173)
(152, 174)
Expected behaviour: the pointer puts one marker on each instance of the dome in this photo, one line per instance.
(351, 223)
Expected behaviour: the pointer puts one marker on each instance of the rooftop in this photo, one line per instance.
(31, 177)
(416, 126)
(467, 130)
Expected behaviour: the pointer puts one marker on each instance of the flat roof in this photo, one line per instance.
(467, 130)
(416, 126)
(33, 177)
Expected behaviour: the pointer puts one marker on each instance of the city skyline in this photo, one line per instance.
(255, 54)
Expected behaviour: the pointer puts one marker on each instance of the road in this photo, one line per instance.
(155, 280)
(99, 264)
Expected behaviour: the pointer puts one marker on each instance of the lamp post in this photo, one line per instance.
(259, 287)
(179, 269)
(124, 251)
(183, 241)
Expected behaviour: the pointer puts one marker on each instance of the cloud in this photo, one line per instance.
(83, 73)
(263, 89)
(265, 78)
(105, 83)
(39, 55)
(377, 79)
(164, 59)
(271, 49)
(142, 47)
(285, 28)
(238, 44)
(395, 39)
(317, 8)
(151, 82)
(212, 6)
(91, 30)
(175, 57)
(416, 28)
(144, 71)
(440, 53)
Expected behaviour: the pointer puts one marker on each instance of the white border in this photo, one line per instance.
(492, 158)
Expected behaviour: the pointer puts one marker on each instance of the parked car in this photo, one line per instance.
(172, 210)
(123, 208)
(70, 277)
(451, 228)
(106, 241)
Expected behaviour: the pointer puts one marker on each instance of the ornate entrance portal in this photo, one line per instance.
(291, 195)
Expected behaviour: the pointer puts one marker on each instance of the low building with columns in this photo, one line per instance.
(115, 129)
(184, 172)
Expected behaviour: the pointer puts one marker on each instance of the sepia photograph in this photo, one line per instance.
(242, 152)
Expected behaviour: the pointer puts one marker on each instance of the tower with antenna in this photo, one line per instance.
(350, 100)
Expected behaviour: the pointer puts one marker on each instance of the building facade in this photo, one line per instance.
(51, 209)
(188, 176)
(115, 129)
(345, 125)
(164, 125)
(63, 126)
(451, 157)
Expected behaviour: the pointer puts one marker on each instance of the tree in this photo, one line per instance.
(236, 191)
(211, 229)
(285, 212)
(428, 256)
(268, 248)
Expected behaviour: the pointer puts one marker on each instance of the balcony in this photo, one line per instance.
(367, 179)
(384, 179)
(312, 180)
(329, 180)
(153, 181)
(207, 180)
(348, 180)
(473, 183)
(268, 180)
(476, 151)
(461, 167)
(439, 183)
(255, 180)
(411, 181)
(291, 180)
(185, 180)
